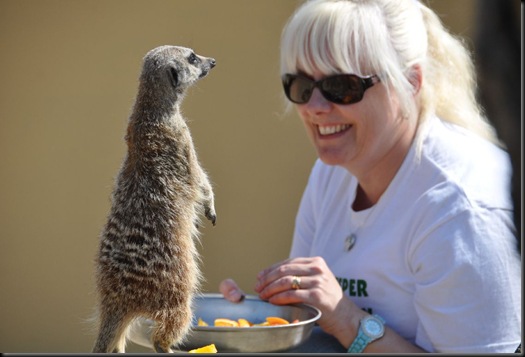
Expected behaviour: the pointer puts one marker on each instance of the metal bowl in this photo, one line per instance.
(208, 307)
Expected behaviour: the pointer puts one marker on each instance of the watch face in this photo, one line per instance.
(373, 328)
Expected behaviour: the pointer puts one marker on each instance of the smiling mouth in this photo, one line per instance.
(332, 129)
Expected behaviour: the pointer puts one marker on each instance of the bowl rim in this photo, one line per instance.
(316, 311)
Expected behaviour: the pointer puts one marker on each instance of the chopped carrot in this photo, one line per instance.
(223, 322)
(265, 323)
(244, 323)
(205, 349)
(226, 322)
(274, 320)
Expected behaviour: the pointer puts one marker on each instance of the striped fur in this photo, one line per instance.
(147, 263)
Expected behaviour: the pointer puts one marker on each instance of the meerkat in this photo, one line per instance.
(147, 263)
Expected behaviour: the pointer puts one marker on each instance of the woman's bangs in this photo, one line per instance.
(318, 44)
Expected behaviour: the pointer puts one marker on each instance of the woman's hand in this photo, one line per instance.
(310, 281)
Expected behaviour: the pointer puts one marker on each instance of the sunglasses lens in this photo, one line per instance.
(342, 89)
(298, 89)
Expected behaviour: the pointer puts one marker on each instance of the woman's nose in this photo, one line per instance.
(318, 103)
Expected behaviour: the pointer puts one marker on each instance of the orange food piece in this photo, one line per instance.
(225, 322)
(244, 323)
(205, 349)
(274, 320)
(265, 323)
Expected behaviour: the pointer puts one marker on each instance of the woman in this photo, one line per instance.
(405, 225)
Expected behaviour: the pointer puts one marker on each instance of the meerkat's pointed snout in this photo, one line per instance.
(209, 63)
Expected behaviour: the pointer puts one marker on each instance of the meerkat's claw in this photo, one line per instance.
(210, 214)
(158, 349)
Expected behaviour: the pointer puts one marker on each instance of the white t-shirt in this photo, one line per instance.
(436, 256)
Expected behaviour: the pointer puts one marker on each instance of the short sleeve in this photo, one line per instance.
(468, 285)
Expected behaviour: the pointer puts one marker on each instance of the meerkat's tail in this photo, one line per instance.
(112, 333)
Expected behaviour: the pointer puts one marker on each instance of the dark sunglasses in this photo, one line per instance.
(338, 89)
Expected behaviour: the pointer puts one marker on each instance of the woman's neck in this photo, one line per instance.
(375, 179)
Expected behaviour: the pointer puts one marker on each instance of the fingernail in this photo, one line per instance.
(236, 295)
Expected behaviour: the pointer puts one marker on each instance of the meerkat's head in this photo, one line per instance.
(173, 69)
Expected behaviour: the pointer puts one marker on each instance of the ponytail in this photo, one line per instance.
(449, 86)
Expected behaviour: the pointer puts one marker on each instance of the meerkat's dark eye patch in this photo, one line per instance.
(174, 76)
(193, 59)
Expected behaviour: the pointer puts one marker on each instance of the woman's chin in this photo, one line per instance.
(331, 158)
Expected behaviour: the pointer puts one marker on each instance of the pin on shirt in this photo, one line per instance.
(350, 242)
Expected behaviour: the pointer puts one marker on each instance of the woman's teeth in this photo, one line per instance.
(328, 130)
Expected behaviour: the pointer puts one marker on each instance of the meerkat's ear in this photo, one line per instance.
(173, 76)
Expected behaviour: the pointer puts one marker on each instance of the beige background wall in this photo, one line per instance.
(68, 76)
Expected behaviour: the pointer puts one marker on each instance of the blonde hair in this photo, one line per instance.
(388, 38)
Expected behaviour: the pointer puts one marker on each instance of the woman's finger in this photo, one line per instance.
(287, 262)
(288, 283)
(287, 268)
(231, 291)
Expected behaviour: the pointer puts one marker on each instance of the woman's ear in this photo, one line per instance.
(415, 77)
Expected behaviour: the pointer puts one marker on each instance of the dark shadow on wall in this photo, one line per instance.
(498, 59)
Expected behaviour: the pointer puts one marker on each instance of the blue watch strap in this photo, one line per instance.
(360, 342)
(365, 335)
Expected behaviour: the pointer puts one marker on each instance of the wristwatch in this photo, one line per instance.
(371, 328)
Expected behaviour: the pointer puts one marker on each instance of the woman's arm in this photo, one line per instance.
(319, 288)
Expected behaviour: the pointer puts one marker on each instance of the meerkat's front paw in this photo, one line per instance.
(210, 214)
